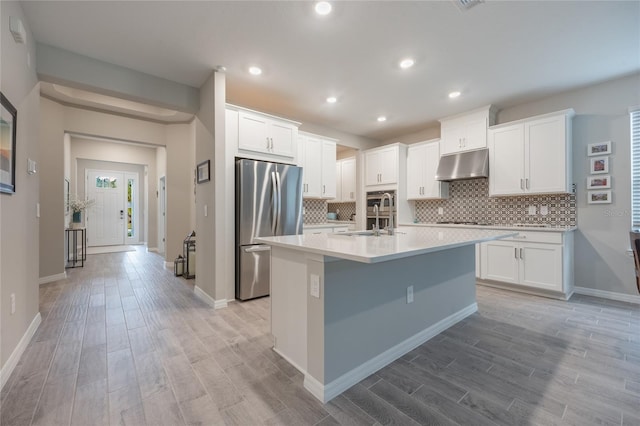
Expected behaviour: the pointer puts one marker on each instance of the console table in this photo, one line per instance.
(75, 256)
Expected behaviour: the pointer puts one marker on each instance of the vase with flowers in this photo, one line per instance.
(77, 206)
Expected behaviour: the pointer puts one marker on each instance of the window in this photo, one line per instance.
(635, 168)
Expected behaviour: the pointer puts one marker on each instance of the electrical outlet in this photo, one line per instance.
(532, 210)
(440, 211)
(13, 303)
(315, 285)
(410, 294)
(544, 210)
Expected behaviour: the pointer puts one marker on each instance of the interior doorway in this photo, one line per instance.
(162, 214)
(114, 218)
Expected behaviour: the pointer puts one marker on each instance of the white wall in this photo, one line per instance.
(19, 238)
(602, 239)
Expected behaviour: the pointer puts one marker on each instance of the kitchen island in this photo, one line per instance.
(345, 305)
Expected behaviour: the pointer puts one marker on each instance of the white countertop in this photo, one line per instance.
(522, 227)
(408, 241)
(327, 224)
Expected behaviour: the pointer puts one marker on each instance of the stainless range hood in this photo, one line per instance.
(464, 165)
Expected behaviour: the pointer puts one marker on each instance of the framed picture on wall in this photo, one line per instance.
(8, 124)
(599, 165)
(599, 148)
(599, 197)
(598, 182)
(203, 172)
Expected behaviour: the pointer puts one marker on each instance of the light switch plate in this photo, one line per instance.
(440, 211)
(532, 210)
(315, 285)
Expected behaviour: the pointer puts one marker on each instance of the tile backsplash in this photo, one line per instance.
(315, 211)
(469, 201)
(344, 210)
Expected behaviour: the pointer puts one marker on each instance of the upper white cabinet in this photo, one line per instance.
(466, 132)
(381, 165)
(318, 160)
(422, 163)
(266, 134)
(531, 156)
(346, 180)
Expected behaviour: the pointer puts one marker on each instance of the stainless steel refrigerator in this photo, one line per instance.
(268, 203)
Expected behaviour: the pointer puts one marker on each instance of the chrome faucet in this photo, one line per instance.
(376, 227)
(390, 224)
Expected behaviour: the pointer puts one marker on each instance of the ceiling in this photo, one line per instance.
(497, 52)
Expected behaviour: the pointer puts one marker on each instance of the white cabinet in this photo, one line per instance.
(346, 180)
(381, 166)
(318, 161)
(422, 164)
(323, 229)
(533, 260)
(266, 134)
(531, 156)
(465, 132)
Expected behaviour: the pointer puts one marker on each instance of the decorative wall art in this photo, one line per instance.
(203, 172)
(599, 182)
(8, 124)
(599, 197)
(599, 148)
(599, 165)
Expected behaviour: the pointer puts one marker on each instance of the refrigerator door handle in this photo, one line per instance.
(274, 203)
(279, 199)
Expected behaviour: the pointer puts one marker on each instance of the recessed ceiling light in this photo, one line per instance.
(454, 95)
(323, 8)
(332, 99)
(406, 63)
(255, 70)
(382, 118)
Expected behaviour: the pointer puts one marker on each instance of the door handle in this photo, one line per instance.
(521, 254)
(267, 144)
(274, 207)
(271, 143)
(527, 183)
(515, 252)
(521, 183)
(279, 199)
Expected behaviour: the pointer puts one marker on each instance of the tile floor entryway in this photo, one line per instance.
(122, 341)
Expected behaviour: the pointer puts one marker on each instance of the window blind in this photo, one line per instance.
(635, 166)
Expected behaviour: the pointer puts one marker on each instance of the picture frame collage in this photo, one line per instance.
(599, 179)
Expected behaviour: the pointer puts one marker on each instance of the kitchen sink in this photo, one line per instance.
(355, 233)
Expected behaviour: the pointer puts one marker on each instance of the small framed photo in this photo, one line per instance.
(599, 165)
(598, 182)
(599, 197)
(599, 148)
(203, 172)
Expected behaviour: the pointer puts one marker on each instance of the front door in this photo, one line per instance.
(105, 220)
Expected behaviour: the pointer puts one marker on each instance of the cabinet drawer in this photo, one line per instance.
(537, 237)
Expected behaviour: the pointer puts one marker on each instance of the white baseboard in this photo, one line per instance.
(215, 304)
(326, 393)
(11, 363)
(611, 295)
(168, 265)
(52, 278)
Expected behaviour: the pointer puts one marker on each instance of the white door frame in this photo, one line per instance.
(162, 213)
(136, 201)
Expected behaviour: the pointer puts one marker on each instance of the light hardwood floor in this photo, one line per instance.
(122, 341)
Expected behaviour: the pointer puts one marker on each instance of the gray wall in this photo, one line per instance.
(602, 239)
(19, 237)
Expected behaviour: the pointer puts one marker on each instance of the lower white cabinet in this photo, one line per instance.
(530, 260)
(320, 229)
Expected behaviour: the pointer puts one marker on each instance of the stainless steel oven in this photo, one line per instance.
(384, 209)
